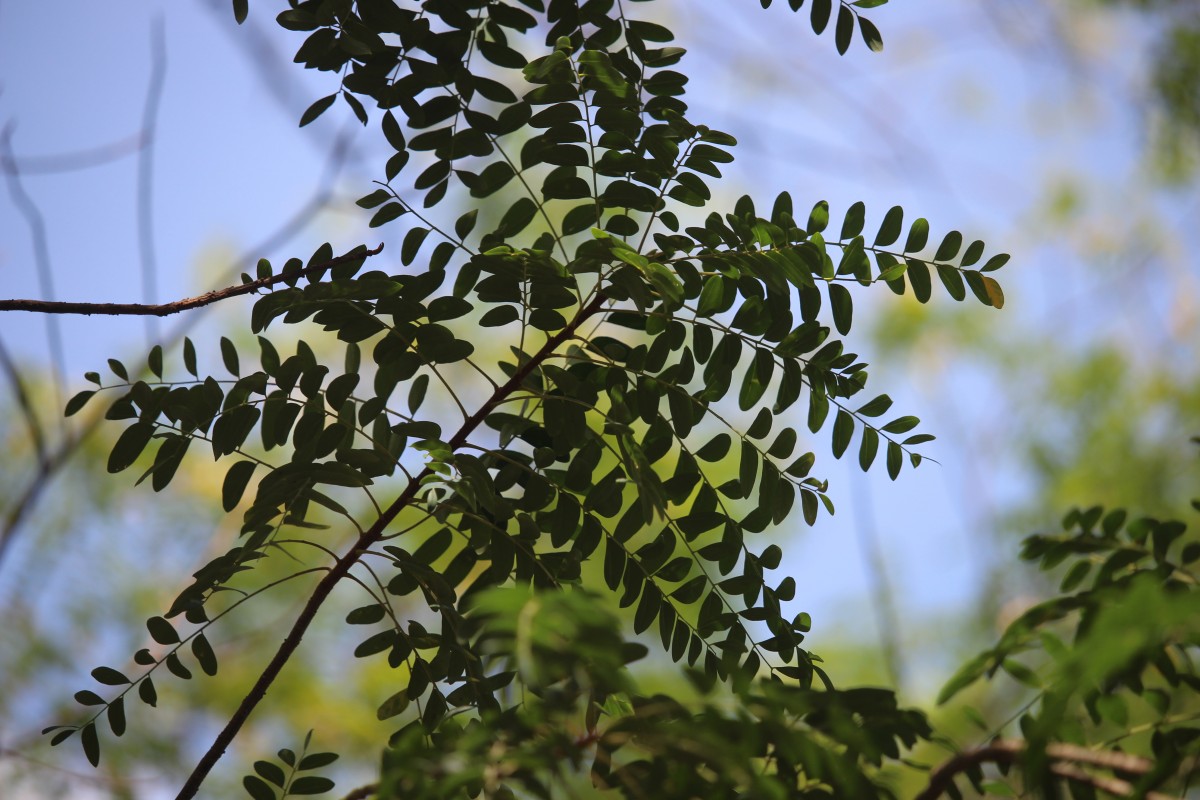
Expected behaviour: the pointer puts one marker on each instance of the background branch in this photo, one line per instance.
(1064, 757)
(41, 251)
(145, 173)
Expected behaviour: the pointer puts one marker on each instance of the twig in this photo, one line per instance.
(45, 471)
(368, 538)
(75, 160)
(883, 599)
(1063, 758)
(41, 251)
(166, 309)
(145, 173)
(363, 792)
(23, 402)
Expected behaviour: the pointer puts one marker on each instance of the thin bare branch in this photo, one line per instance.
(45, 471)
(41, 250)
(883, 597)
(166, 309)
(145, 173)
(22, 397)
(76, 160)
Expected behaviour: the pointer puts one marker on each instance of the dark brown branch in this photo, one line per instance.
(365, 541)
(363, 792)
(166, 309)
(1063, 759)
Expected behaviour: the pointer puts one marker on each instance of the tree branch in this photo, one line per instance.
(145, 172)
(36, 222)
(1063, 758)
(365, 541)
(166, 309)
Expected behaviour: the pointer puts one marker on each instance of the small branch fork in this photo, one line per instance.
(166, 309)
(1064, 762)
(368, 538)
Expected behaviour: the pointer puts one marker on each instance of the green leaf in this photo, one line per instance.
(843, 430)
(189, 357)
(855, 219)
(204, 654)
(387, 213)
(918, 236)
(91, 743)
(241, 8)
(967, 674)
(818, 219)
(310, 784)
(317, 109)
(116, 716)
(129, 446)
(154, 361)
(316, 761)
(257, 788)
(356, 106)
(895, 460)
(162, 631)
(868, 448)
(235, 483)
(716, 448)
(500, 315)
(374, 199)
(78, 402)
(271, 772)
(819, 17)
(843, 308)
(995, 262)
(393, 706)
(901, 425)
(875, 407)
(949, 247)
(109, 676)
(870, 34)
(844, 32)
(416, 394)
(147, 693)
(229, 356)
(889, 231)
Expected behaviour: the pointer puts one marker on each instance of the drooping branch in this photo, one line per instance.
(365, 540)
(1064, 759)
(166, 309)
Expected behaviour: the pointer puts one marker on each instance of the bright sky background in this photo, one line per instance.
(975, 116)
